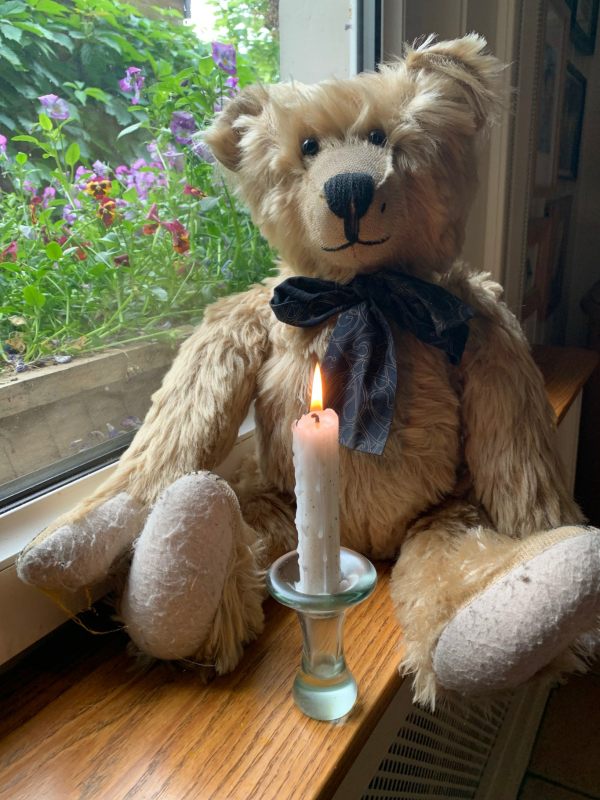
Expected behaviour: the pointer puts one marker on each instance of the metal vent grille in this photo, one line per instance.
(441, 754)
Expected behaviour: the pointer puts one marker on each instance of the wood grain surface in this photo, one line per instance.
(565, 371)
(79, 720)
(94, 727)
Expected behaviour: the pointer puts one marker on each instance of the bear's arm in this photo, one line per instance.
(195, 416)
(509, 425)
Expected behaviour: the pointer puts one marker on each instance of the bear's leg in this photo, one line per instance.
(196, 583)
(74, 553)
(482, 612)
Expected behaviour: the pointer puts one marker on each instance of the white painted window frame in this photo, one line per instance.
(26, 613)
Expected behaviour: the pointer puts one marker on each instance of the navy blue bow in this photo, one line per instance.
(360, 362)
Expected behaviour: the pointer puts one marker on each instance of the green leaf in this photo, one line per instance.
(8, 55)
(54, 251)
(25, 138)
(33, 296)
(45, 122)
(73, 154)
(130, 195)
(21, 158)
(97, 270)
(63, 39)
(11, 7)
(31, 27)
(97, 94)
(130, 129)
(10, 32)
(81, 96)
(206, 66)
(50, 7)
(8, 122)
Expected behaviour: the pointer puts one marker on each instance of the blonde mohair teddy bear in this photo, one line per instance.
(363, 186)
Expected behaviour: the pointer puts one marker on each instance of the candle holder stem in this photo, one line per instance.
(324, 687)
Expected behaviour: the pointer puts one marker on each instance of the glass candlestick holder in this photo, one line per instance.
(324, 687)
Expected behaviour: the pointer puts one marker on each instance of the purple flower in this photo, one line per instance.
(224, 56)
(28, 186)
(183, 126)
(202, 151)
(55, 107)
(233, 83)
(3, 141)
(48, 194)
(69, 211)
(174, 158)
(142, 177)
(132, 83)
(101, 169)
(83, 175)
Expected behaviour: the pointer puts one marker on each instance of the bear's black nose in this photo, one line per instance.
(349, 194)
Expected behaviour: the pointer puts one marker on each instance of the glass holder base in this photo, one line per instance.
(324, 687)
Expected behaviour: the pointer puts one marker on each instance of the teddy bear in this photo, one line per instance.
(447, 457)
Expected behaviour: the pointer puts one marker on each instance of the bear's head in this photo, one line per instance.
(350, 176)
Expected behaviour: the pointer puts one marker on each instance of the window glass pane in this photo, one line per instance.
(115, 229)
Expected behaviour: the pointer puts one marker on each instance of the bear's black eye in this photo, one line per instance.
(310, 147)
(377, 137)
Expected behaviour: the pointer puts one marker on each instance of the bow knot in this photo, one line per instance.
(360, 362)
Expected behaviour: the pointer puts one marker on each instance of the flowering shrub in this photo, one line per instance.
(105, 254)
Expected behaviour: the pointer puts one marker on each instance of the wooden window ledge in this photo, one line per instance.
(79, 720)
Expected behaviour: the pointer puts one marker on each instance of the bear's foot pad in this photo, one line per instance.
(82, 553)
(523, 620)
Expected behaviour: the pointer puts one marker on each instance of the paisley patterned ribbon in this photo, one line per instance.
(360, 362)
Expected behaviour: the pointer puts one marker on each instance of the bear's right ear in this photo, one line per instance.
(223, 136)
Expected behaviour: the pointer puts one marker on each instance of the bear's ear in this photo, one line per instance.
(223, 136)
(465, 62)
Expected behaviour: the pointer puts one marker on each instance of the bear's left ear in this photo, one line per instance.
(223, 136)
(465, 62)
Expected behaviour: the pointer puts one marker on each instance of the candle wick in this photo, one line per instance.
(315, 416)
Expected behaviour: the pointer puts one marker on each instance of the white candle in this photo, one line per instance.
(316, 461)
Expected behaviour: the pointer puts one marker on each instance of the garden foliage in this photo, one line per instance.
(99, 250)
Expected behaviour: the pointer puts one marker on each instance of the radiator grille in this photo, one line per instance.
(441, 754)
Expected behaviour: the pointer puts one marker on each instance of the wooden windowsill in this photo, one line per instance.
(566, 371)
(77, 720)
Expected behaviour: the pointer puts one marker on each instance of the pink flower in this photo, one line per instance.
(132, 83)
(9, 253)
(3, 141)
(187, 189)
(150, 228)
(179, 235)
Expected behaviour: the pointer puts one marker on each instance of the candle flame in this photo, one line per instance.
(316, 401)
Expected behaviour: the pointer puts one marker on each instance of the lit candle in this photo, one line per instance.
(316, 461)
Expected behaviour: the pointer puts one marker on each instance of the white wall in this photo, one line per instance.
(316, 39)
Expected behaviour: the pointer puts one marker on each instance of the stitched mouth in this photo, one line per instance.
(352, 242)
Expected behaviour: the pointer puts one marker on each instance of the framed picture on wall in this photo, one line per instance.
(584, 22)
(558, 214)
(536, 266)
(571, 123)
(551, 68)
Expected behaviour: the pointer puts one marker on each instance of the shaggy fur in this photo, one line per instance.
(469, 485)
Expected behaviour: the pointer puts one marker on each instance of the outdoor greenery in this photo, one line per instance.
(99, 250)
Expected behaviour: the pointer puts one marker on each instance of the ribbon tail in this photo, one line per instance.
(360, 369)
